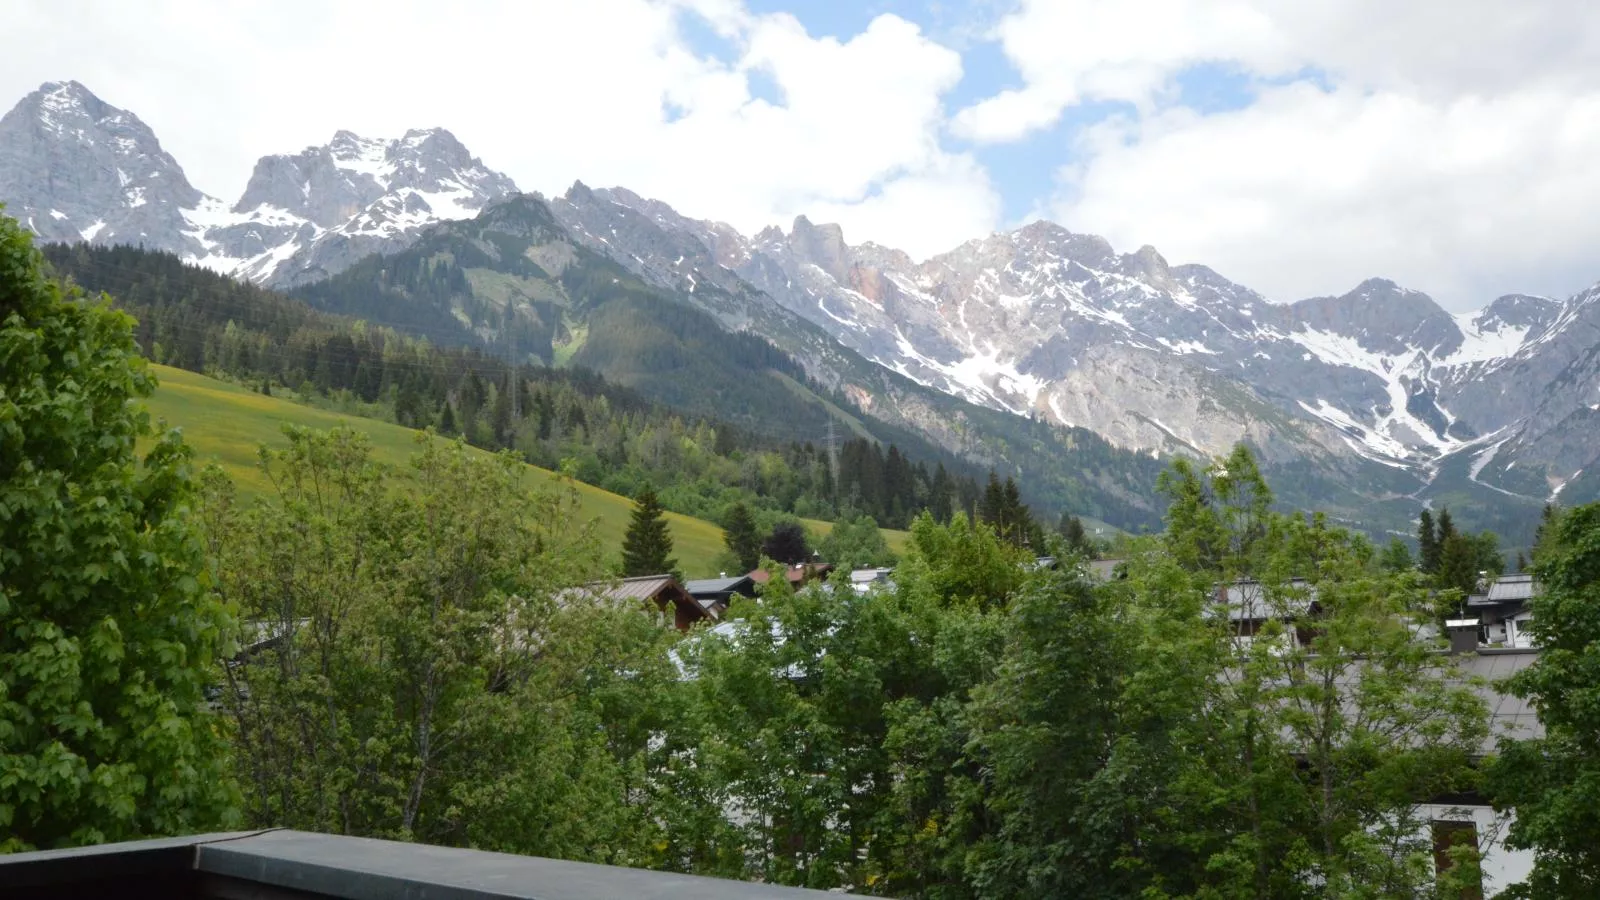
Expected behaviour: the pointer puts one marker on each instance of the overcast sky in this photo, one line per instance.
(1296, 146)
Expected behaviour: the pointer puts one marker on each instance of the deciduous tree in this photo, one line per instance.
(108, 635)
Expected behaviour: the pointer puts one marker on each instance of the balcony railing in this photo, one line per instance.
(298, 865)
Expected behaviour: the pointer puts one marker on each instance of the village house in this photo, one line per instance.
(1250, 605)
(796, 575)
(661, 594)
(864, 581)
(715, 594)
(1501, 612)
(1486, 645)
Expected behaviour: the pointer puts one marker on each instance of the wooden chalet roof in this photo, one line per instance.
(639, 588)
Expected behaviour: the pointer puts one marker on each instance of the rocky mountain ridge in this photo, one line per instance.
(1378, 389)
(1045, 322)
(73, 167)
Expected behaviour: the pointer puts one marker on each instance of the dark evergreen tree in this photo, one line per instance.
(1548, 519)
(743, 539)
(787, 544)
(992, 507)
(447, 419)
(1077, 538)
(647, 547)
(941, 496)
(1427, 545)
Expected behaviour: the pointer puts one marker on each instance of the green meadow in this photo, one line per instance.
(226, 424)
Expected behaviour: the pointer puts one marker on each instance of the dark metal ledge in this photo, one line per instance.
(288, 865)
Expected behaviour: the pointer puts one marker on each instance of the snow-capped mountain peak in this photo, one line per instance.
(1048, 322)
(73, 167)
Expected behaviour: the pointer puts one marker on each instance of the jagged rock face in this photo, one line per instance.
(1039, 321)
(75, 168)
(1383, 318)
(1043, 321)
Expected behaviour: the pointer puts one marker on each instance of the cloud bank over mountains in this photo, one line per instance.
(1296, 147)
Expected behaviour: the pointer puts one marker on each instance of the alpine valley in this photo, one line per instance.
(1038, 352)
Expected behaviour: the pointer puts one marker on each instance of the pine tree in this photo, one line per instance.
(742, 537)
(1428, 545)
(1076, 537)
(941, 496)
(992, 507)
(647, 547)
(447, 419)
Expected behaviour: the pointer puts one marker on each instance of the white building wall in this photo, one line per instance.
(1502, 866)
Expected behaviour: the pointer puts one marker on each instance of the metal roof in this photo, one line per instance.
(1250, 600)
(864, 576)
(642, 587)
(1103, 570)
(302, 864)
(1511, 588)
(717, 585)
(1510, 717)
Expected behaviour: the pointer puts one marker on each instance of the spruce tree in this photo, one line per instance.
(1076, 537)
(941, 499)
(1427, 545)
(992, 507)
(742, 537)
(647, 547)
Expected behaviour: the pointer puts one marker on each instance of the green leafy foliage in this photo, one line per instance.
(413, 672)
(787, 543)
(108, 636)
(1553, 783)
(856, 544)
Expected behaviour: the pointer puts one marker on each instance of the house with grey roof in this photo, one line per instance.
(715, 594)
(864, 581)
(1502, 611)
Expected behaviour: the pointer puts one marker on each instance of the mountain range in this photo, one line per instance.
(1006, 350)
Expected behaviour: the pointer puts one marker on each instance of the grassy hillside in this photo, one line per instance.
(226, 423)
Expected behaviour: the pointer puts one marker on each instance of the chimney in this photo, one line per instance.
(1463, 635)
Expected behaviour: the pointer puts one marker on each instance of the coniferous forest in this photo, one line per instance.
(560, 418)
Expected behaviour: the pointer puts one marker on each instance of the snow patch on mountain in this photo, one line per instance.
(1486, 342)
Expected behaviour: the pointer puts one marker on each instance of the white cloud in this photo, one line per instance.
(609, 91)
(1451, 149)
(1071, 51)
(1309, 191)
